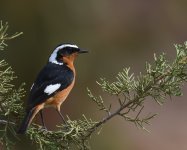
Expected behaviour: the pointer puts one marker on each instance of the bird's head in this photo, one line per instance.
(65, 53)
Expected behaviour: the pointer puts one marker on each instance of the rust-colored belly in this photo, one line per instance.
(59, 97)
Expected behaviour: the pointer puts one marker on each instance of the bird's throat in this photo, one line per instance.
(69, 62)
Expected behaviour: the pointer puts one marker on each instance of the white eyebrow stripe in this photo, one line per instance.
(66, 45)
(52, 88)
(53, 56)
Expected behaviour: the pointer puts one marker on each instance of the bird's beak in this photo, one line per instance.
(82, 51)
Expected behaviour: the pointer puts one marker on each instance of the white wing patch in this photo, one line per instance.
(52, 88)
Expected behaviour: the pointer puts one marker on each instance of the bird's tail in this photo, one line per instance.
(26, 121)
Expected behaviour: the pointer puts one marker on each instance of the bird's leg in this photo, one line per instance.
(43, 123)
(58, 110)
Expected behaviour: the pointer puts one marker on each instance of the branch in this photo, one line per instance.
(157, 83)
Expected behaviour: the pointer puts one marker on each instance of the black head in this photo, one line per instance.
(64, 50)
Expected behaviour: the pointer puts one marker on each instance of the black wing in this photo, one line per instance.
(51, 74)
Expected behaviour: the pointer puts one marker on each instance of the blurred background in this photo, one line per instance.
(118, 34)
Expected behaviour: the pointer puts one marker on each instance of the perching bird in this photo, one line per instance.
(53, 83)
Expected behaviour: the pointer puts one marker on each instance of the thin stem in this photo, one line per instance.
(6, 122)
(11, 37)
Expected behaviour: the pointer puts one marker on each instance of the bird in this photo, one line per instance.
(52, 85)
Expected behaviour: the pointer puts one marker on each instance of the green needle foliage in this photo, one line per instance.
(160, 80)
(73, 135)
(10, 96)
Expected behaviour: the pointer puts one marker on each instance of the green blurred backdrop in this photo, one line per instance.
(118, 33)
